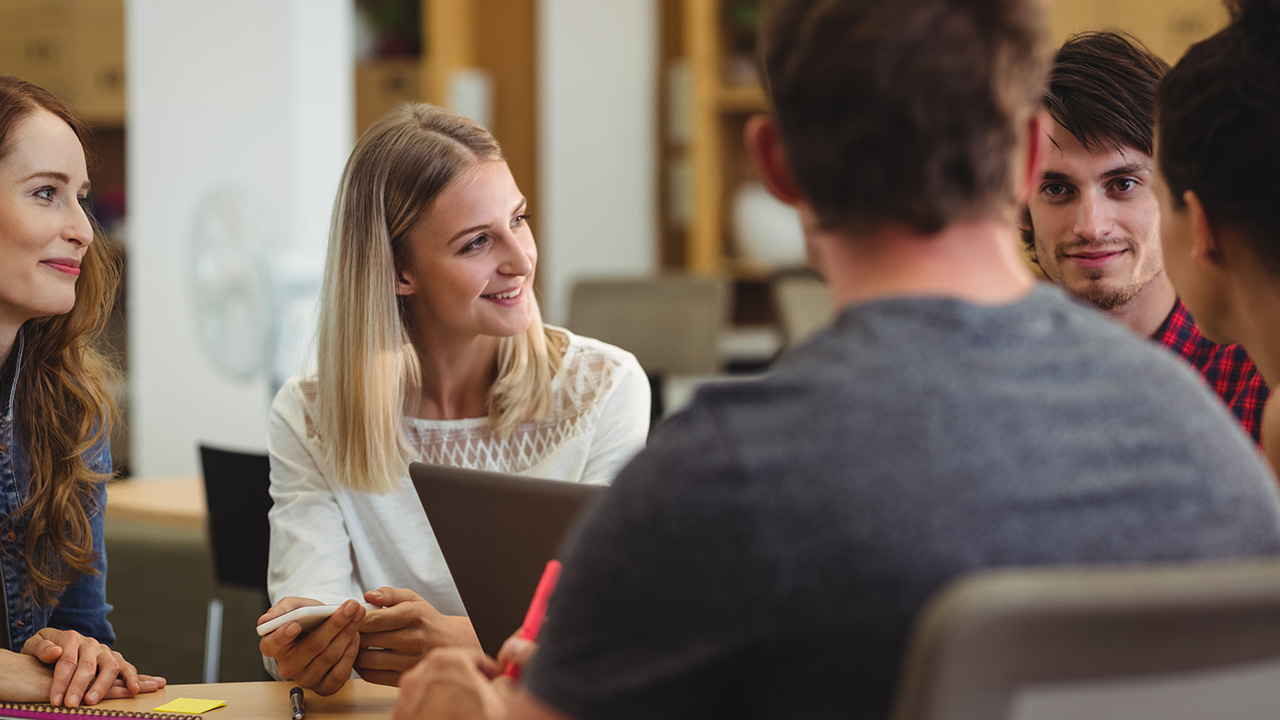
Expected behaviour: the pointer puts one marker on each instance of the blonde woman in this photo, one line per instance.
(56, 288)
(431, 348)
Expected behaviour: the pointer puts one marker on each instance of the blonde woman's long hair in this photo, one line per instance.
(62, 404)
(368, 371)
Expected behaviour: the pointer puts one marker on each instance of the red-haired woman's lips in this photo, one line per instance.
(66, 266)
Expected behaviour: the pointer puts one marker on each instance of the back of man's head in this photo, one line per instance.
(1102, 90)
(908, 112)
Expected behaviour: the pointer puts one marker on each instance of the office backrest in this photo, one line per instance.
(1169, 642)
(803, 303)
(673, 323)
(236, 486)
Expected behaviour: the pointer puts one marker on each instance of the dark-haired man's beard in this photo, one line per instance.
(1107, 296)
(1106, 288)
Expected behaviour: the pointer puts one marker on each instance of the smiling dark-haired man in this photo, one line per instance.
(1093, 221)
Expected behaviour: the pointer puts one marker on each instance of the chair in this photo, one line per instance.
(803, 303)
(1168, 642)
(672, 323)
(236, 489)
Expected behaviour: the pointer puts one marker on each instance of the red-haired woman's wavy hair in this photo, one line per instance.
(63, 405)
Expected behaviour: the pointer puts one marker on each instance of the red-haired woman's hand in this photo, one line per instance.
(84, 670)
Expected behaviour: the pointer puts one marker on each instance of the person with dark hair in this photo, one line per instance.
(767, 553)
(1219, 142)
(1093, 222)
(56, 287)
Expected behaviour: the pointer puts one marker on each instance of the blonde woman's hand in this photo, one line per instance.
(320, 659)
(401, 631)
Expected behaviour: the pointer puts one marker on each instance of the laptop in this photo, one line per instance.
(497, 532)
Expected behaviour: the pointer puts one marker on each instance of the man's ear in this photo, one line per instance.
(1206, 245)
(764, 143)
(1033, 158)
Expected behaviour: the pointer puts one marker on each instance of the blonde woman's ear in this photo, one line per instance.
(404, 282)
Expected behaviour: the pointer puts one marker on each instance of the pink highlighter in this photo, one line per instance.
(537, 611)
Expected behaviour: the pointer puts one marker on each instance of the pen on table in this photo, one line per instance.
(295, 702)
(537, 611)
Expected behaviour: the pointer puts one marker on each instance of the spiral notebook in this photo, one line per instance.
(24, 711)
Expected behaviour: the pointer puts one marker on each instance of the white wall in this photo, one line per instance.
(257, 95)
(254, 95)
(597, 67)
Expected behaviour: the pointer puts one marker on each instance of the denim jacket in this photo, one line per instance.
(83, 605)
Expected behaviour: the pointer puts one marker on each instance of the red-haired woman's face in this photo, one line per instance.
(44, 227)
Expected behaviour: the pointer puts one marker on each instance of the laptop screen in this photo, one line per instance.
(497, 532)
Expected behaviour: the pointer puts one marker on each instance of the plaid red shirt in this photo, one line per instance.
(1226, 368)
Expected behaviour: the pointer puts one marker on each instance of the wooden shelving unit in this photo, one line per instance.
(716, 160)
(72, 48)
(496, 37)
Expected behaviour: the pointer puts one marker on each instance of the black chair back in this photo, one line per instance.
(236, 487)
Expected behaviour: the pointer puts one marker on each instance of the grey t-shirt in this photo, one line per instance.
(765, 555)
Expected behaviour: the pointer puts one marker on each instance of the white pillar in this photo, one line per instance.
(597, 67)
(247, 103)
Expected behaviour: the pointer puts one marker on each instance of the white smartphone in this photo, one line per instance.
(307, 616)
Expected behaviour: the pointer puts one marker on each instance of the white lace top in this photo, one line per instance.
(330, 543)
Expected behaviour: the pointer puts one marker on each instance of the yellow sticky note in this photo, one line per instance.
(190, 706)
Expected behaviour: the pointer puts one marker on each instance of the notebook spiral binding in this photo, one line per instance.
(25, 711)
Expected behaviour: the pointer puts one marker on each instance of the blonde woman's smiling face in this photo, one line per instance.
(469, 261)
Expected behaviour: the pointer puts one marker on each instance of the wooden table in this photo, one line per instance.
(170, 502)
(270, 701)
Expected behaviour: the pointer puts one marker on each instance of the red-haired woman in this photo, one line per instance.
(56, 287)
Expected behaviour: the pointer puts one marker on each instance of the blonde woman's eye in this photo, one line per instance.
(519, 220)
(474, 245)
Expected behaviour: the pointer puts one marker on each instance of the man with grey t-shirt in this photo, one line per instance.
(766, 554)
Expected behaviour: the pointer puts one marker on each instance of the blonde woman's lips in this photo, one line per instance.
(506, 297)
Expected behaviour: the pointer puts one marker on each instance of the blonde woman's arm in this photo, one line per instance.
(310, 558)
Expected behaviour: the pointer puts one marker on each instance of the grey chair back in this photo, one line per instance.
(1167, 642)
(672, 323)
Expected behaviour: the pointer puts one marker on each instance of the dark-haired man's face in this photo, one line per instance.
(1096, 221)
